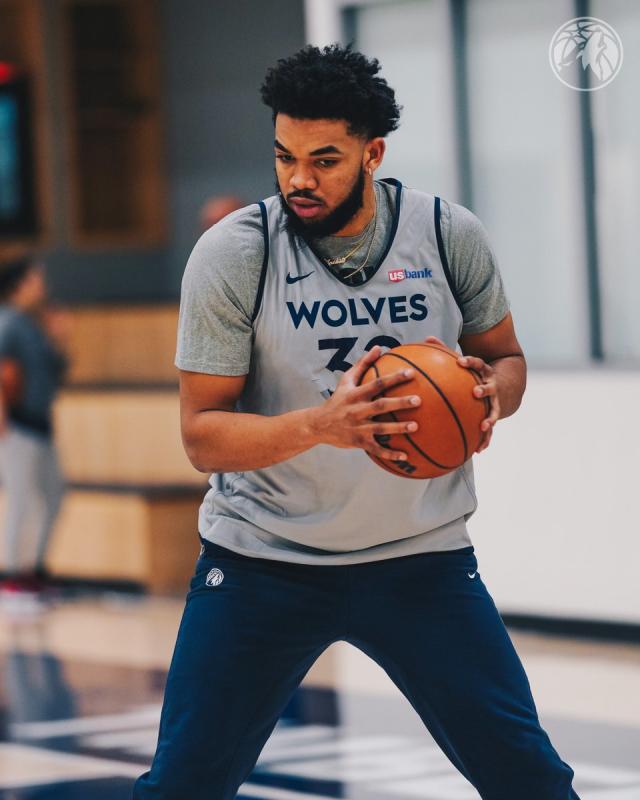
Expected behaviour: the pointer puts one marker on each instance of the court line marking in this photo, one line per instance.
(142, 722)
(141, 742)
(108, 768)
(113, 768)
(629, 793)
(104, 767)
(139, 718)
(605, 774)
(274, 793)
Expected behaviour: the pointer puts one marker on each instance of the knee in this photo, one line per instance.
(179, 774)
(538, 773)
(158, 785)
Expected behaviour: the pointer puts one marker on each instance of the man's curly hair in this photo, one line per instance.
(333, 83)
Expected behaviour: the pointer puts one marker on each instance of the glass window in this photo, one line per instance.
(526, 150)
(411, 41)
(526, 160)
(526, 154)
(616, 122)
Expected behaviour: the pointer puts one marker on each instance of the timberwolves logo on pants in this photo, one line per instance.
(215, 577)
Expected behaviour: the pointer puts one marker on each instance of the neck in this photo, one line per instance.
(364, 216)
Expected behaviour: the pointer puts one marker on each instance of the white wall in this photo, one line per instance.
(557, 531)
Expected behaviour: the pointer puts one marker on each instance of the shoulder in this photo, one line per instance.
(466, 243)
(392, 189)
(426, 205)
(246, 221)
(460, 224)
(226, 262)
(474, 269)
(390, 186)
(239, 235)
(231, 252)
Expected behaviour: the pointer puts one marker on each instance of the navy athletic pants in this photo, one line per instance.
(246, 641)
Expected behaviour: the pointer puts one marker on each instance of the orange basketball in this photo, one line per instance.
(10, 382)
(448, 418)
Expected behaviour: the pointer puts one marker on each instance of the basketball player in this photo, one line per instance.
(304, 540)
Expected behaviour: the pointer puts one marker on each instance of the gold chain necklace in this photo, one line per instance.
(366, 258)
(332, 262)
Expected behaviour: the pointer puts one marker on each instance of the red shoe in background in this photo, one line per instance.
(22, 593)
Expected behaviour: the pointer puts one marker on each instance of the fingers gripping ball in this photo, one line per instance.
(448, 418)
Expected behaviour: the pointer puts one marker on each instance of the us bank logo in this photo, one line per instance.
(586, 54)
(402, 274)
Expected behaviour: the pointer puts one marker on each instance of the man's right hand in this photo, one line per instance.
(217, 438)
(345, 419)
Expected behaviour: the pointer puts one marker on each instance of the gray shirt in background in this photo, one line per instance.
(42, 368)
(221, 280)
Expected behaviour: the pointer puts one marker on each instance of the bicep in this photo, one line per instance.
(478, 282)
(497, 342)
(202, 392)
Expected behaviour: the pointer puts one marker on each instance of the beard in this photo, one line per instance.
(333, 222)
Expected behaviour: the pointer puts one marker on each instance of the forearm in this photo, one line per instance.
(511, 372)
(229, 441)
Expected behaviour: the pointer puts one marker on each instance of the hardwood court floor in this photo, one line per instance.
(81, 687)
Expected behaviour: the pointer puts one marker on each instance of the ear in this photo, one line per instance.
(373, 154)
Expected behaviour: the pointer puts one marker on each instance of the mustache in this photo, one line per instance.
(303, 194)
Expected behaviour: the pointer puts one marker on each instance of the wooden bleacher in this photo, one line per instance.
(123, 436)
(130, 534)
(131, 510)
(123, 345)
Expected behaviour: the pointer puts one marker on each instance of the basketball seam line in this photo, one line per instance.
(449, 406)
(487, 405)
(412, 443)
(455, 356)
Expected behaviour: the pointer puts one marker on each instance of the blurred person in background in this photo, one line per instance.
(216, 208)
(32, 367)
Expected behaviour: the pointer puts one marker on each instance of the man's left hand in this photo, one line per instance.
(488, 388)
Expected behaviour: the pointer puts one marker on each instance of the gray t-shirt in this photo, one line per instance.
(221, 280)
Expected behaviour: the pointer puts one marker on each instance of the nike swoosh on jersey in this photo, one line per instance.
(296, 278)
